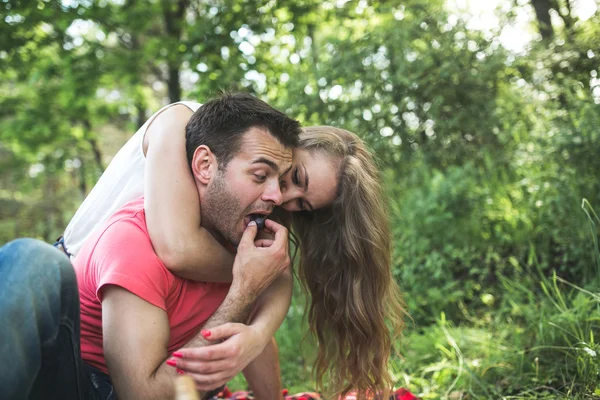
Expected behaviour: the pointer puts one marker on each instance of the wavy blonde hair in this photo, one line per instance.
(354, 307)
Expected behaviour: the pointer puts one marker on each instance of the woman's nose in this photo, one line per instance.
(289, 193)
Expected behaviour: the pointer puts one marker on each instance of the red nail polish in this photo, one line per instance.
(206, 333)
(180, 371)
(177, 354)
(172, 363)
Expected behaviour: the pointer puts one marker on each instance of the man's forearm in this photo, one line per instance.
(236, 307)
(254, 270)
(273, 304)
(267, 312)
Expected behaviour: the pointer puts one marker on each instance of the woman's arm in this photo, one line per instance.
(264, 375)
(173, 207)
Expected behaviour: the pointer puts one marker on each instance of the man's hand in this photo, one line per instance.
(214, 365)
(264, 238)
(258, 264)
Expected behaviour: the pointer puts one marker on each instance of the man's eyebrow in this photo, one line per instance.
(270, 163)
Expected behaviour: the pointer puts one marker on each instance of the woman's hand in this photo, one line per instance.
(216, 364)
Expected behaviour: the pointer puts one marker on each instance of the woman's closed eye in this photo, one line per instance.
(301, 204)
(296, 177)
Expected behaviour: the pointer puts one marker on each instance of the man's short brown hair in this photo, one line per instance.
(220, 124)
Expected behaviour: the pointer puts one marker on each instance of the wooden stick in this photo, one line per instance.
(185, 389)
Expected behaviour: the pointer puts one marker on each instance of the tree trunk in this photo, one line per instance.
(97, 154)
(83, 189)
(542, 12)
(173, 84)
(141, 114)
(173, 14)
(95, 146)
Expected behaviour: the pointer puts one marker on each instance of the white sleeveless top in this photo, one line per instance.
(121, 182)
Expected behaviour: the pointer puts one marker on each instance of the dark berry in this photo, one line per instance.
(260, 221)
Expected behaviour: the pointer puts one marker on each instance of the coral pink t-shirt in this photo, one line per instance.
(120, 253)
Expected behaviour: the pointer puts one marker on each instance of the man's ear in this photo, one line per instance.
(204, 164)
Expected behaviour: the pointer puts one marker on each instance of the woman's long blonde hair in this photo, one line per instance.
(354, 307)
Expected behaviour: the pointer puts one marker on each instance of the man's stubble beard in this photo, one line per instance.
(220, 210)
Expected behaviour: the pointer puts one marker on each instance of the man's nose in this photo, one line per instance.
(273, 193)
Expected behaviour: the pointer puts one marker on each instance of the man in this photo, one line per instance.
(134, 311)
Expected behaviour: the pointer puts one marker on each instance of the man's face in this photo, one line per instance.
(248, 185)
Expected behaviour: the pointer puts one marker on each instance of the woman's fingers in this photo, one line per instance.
(222, 332)
(209, 382)
(203, 368)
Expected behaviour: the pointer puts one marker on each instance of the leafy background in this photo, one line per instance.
(487, 151)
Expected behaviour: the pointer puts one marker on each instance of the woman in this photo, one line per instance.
(337, 213)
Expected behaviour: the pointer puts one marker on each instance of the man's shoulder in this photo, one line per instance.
(124, 235)
(131, 212)
(129, 222)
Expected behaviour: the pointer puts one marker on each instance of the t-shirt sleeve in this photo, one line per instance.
(124, 257)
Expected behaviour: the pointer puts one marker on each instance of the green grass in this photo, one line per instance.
(537, 345)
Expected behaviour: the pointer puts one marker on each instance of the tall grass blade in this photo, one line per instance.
(589, 211)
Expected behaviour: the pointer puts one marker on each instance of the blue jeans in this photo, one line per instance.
(40, 356)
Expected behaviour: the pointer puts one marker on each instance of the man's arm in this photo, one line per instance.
(136, 336)
(273, 304)
(241, 343)
(136, 333)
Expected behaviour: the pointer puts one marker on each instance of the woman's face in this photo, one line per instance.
(312, 181)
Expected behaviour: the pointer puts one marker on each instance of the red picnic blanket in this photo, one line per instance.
(226, 394)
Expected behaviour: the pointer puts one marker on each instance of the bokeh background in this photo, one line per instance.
(485, 116)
